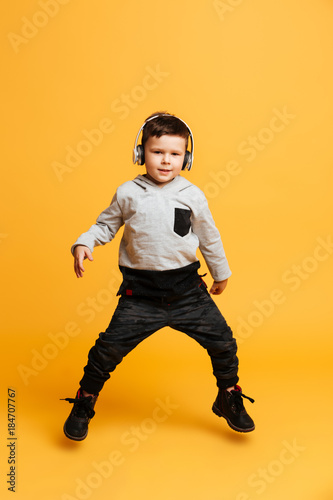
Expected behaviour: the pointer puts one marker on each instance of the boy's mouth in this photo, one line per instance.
(164, 170)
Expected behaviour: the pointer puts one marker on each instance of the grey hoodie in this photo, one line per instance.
(164, 227)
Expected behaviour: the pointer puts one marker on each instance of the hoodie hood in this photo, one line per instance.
(177, 184)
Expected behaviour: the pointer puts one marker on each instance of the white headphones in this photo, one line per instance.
(139, 154)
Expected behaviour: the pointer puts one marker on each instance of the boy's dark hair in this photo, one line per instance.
(164, 124)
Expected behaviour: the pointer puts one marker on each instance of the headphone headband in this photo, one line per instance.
(138, 152)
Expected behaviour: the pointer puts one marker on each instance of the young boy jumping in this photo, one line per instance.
(166, 219)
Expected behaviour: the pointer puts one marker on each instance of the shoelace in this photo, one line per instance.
(238, 395)
(82, 408)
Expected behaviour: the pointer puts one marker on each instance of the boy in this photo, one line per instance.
(165, 218)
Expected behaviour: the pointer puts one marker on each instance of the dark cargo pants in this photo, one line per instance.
(136, 318)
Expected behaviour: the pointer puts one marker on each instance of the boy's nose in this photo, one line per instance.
(166, 158)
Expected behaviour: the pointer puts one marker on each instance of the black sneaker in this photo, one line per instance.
(76, 425)
(229, 404)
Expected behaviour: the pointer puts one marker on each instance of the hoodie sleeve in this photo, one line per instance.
(107, 225)
(210, 243)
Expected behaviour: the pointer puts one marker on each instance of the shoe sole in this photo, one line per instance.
(75, 438)
(234, 427)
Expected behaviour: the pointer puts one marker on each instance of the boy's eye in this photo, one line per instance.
(157, 152)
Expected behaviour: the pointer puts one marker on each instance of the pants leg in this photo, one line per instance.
(133, 321)
(194, 313)
(198, 316)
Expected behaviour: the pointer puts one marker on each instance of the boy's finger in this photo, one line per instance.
(78, 268)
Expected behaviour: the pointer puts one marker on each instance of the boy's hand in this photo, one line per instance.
(218, 287)
(80, 253)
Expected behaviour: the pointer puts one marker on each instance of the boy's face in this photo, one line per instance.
(164, 157)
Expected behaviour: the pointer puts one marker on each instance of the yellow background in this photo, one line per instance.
(227, 69)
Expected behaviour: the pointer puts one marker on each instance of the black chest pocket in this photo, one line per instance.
(182, 223)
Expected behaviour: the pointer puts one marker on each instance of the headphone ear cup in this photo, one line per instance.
(186, 159)
(140, 154)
